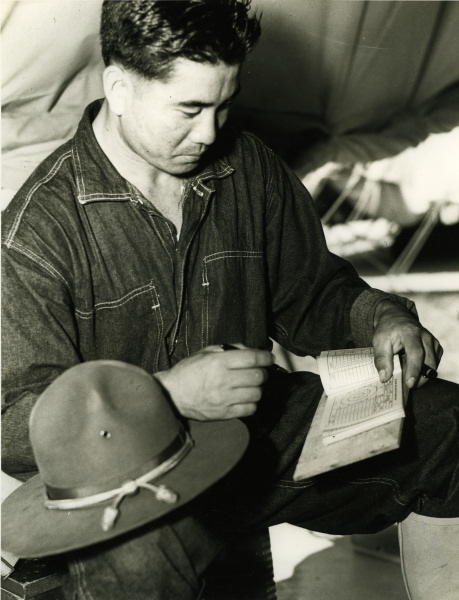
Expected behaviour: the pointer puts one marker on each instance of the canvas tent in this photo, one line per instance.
(353, 82)
(331, 85)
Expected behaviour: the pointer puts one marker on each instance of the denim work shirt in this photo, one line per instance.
(93, 271)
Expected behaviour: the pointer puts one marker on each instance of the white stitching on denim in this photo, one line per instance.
(209, 174)
(205, 278)
(186, 323)
(55, 168)
(79, 171)
(105, 195)
(388, 480)
(233, 254)
(174, 239)
(202, 590)
(248, 254)
(160, 324)
(226, 171)
(88, 199)
(182, 266)
(282, 329)
(37, 259)
(160, 237)
(197, 191)
(109, 304)
(205, 307)
(296, 485)
(114, 304)
(84, 587)
(135, 196)
(208, 189)
(75, 576)
(270, 181)
(383, 480)
(206, 174)
(76, 571)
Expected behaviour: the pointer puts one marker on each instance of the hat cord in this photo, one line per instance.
(129, 488)
(111, 513)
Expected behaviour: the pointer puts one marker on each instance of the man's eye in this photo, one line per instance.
(191, 113)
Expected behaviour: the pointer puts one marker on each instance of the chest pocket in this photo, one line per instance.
(234, 298)
(129, 328)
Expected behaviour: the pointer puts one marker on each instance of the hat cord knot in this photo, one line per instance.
(129, 488)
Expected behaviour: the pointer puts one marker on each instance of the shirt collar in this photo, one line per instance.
(99, 181)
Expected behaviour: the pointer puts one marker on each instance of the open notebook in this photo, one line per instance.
(356, 399)
(357, 417)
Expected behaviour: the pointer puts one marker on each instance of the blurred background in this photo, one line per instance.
(361, 99)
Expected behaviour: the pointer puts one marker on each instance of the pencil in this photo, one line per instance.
(428, 372)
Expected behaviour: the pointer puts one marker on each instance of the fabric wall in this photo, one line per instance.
(51, 68)
(343, 81)
(365, 79)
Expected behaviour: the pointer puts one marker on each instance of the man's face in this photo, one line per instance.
(170, 124)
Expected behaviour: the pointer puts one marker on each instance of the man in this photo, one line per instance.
(158, 234)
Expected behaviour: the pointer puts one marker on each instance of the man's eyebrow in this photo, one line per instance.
(199, 104)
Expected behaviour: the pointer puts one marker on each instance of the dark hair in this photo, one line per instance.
(147, 36)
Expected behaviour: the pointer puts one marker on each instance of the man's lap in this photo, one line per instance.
(421, 476)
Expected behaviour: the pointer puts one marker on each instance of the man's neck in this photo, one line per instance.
(163, 190)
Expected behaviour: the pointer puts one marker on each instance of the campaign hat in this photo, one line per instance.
(113, 455)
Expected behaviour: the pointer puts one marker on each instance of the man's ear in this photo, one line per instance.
(116, 83)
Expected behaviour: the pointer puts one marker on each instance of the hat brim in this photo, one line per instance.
(30, 530)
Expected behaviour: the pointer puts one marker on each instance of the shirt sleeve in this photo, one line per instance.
(39, 342)
(318, 301)
(363, 310)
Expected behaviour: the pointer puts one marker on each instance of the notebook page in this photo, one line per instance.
(341, 370)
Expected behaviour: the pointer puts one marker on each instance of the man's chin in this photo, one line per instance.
(185, 166)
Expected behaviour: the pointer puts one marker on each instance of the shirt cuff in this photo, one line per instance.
(363, 311)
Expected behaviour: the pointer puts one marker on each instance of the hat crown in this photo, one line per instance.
(107, 420)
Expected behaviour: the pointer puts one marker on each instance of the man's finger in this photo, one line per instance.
(250, 395)
(415, 355)
(384, 358)
(239, 411)
(242, 378)
(248, 359)
(222, 347)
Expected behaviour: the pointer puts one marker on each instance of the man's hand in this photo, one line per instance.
(396, 329)
(212, 384)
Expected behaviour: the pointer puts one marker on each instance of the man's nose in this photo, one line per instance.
(205, 129)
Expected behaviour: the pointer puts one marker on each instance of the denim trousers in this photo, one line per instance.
(168, 559)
